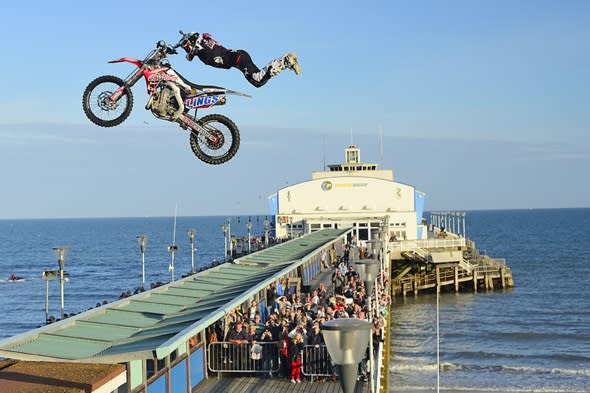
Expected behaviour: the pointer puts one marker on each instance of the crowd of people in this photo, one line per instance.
(286, 334)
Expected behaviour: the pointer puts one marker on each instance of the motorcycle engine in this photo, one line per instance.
(163, 103)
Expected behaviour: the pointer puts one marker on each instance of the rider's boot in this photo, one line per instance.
(291, 62)
(286, 61)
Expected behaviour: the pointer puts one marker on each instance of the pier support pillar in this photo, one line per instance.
(416, 285)
(503, 277)
(456, 278)
(475, 282)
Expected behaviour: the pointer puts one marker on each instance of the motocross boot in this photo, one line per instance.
(291, 62)
(286, 61)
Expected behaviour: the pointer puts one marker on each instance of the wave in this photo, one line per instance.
(550, 335)
(495, 355)
(450, 367)
(492, 389)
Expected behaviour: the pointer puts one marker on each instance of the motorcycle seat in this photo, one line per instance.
(204, 89)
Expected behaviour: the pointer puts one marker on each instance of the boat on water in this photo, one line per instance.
(14, 278)
(161, 340)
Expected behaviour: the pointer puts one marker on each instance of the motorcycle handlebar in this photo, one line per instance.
(165, 48)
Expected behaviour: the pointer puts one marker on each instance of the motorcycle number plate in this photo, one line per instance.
(204, 101)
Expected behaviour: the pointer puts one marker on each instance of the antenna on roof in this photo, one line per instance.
(381, 143)
(174, 229)
(324, 147)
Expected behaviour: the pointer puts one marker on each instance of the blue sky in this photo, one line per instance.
(482, 105)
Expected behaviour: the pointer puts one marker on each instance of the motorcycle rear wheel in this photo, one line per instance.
(219, 151)
(98, 106)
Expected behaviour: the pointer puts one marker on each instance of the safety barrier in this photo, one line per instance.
(228, 357)
(317, 362)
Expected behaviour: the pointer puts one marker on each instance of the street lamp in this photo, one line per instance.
(346, 340)
(60, 253)
(224, 230)
(172, 250)
(249, 227)
(142, 240)
(373, 246)
(368, 269)
(191, 235)
(229, 245)
(47, 276)
(266, 231)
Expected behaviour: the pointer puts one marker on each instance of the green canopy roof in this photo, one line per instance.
(158, 321)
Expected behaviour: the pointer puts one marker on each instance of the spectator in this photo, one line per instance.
(271, 298)
(295, 349)
(338, 281)
(285, 363)
(239, 338)
(269, 352)
(252, 310)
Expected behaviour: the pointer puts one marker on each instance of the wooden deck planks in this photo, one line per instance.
(267, 385)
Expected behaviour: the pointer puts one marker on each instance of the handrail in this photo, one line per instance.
(410, 245)
(317, 362)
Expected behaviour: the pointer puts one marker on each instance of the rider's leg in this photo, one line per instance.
(259, 77)
(251, 72)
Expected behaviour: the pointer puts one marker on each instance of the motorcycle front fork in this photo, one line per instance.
(202, 132)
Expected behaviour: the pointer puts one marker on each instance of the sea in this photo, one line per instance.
(534, 337)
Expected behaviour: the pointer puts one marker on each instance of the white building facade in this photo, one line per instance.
(352, 194)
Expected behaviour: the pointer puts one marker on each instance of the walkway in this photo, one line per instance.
(262, 385)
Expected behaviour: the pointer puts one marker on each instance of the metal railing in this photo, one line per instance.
(317, 362)
(228, 357)
(411, 245)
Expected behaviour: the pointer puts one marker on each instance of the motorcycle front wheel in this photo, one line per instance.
(224, 144)
(98, 105)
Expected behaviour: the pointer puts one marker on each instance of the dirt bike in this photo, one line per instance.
(107, 102)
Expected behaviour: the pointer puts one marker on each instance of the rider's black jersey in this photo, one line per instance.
(213, 54)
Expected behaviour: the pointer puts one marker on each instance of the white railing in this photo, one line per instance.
(411, 245)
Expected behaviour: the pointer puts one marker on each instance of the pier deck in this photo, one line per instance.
(261, 385)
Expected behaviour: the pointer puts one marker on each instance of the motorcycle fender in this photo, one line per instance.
(135, 62)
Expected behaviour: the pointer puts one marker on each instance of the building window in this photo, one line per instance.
(363, 234)
(150, 368)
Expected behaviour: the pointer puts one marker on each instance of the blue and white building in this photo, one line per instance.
(352, 194)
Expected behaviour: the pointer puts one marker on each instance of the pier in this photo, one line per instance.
(445, 261)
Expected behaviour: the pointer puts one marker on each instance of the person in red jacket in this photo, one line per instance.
(210, 52)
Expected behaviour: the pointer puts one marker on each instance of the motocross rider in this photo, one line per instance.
(213, 54)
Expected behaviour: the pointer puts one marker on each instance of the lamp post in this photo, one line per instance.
(368, 269)
(142, 240)
(172, 250)
(266, 231)
(192, 233)
(47, 276)
(229, 242)
(249, 227)
(224, 230)
(60, 253)
(346, 340)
